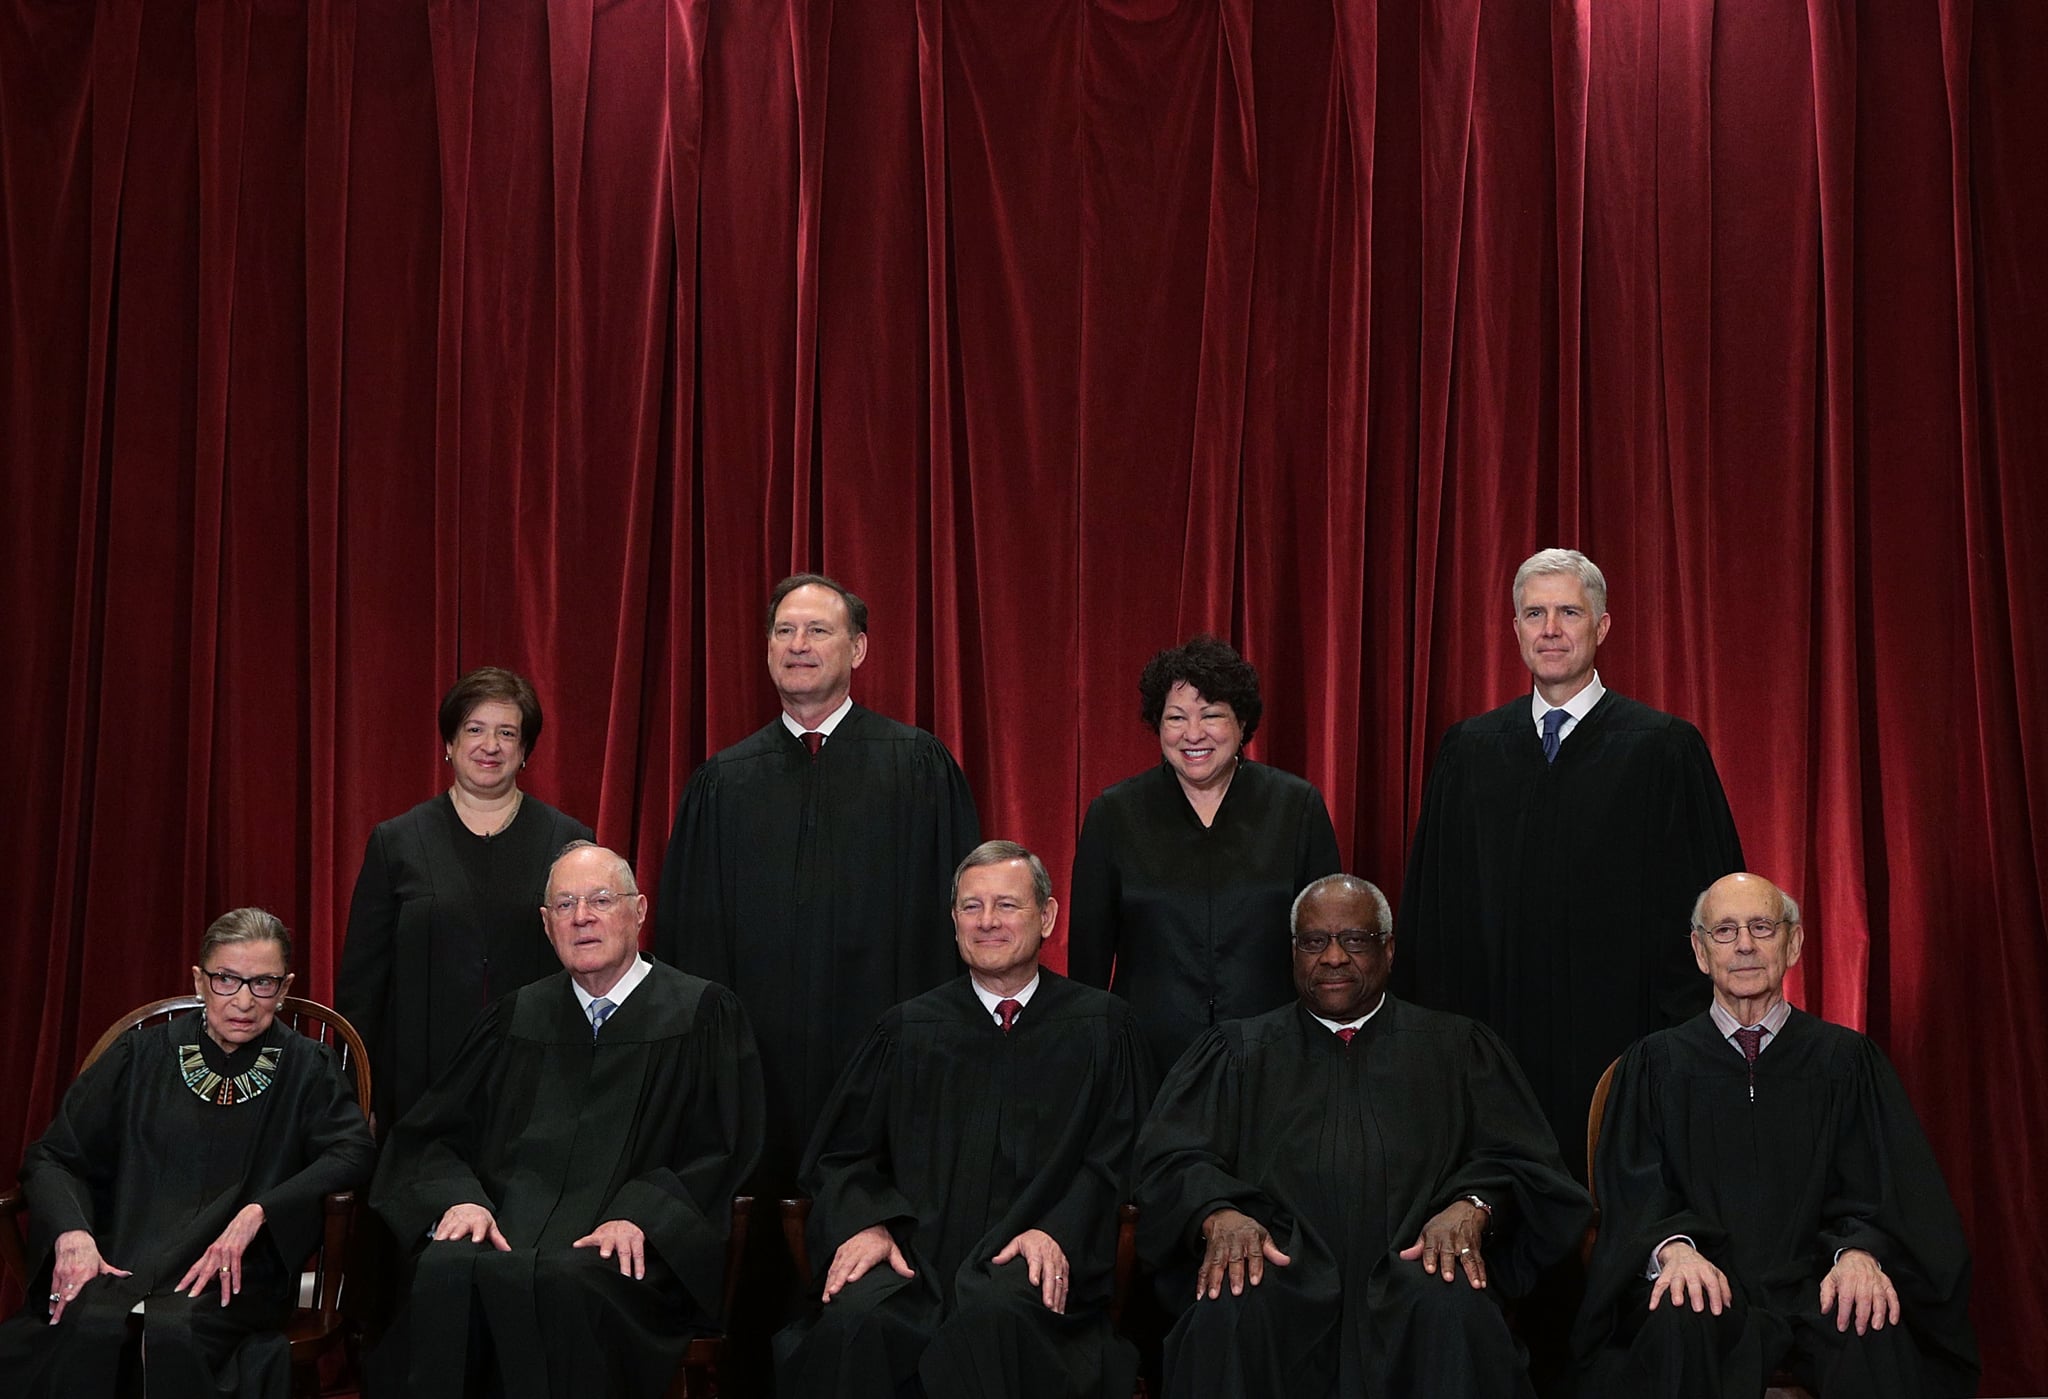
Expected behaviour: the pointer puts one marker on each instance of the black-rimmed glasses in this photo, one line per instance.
(228, 984)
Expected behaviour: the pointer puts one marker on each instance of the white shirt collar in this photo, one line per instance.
(1577, 707)
(825, 725)
(1333, 1026)
(634, 975)
(1773, 1021)
(990, 1000)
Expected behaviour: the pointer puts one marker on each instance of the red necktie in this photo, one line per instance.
(1008, 1010)
(1345, 1035)
(1750, 1042)
(814, 740)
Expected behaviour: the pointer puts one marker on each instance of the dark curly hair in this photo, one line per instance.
(1214, 670)
(481, 686)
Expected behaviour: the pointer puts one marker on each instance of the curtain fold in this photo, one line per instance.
(351, 345)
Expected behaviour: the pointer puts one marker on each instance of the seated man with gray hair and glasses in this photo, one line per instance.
(1767, 1197)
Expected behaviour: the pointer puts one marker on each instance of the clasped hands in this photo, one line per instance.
(1045, 1262)
(1239, 1248)
(615, 1238)
(1856, 1288)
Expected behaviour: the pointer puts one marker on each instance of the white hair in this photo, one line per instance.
(622, 872)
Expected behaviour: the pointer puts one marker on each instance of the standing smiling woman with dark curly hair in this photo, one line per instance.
(1185, 873)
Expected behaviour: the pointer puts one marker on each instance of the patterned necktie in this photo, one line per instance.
(1008, 1010)
(814, 740)
(600, 1010)
(1751, 1043)
(1346, 1034)
(1553, 731)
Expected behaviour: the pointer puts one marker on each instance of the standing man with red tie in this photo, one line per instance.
(808, 865)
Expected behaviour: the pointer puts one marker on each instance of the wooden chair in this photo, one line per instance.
(1782, 1386)
(697, 1376)
(315, 1329)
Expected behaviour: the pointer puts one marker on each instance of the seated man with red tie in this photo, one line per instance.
(966, 1174)
(1767, 1197)
(1353, 1181)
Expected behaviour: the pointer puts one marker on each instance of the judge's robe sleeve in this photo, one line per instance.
(1187, 1152)
(684, 1205)
(1698, 846)
(1439, 889)
(67, 1167)
(1509, 1159)
(1639, 1204)
(369, 951)
(691, 930)
(1096, 893)
(926, 955)
(1083, 1221)
(335, 1144)
(848, 1171)
(1887, 1197)
(425, 1167)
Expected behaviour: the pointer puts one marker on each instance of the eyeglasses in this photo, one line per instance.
(601, 903)
(1762, 929)
(228, 984)
(1316, 944)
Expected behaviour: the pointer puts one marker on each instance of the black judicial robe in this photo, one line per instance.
(1828, 1156)
(1552, 901)
(657, 1123)
(1193, 918)
(1343, 1152)
(443, 922)
(818, 892)
(155, 1175)
(959, 1138)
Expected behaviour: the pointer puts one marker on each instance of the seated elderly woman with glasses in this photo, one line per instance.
(183, 1176)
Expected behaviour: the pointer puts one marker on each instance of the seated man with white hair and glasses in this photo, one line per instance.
(566, 1186)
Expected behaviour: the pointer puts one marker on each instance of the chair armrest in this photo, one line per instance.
(338, 1219)
(796, 1216)
(1126, 1260)
(735, 1255)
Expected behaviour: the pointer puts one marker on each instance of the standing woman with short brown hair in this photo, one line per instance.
(445, 917)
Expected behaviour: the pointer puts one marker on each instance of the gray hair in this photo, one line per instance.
(240, 925)
(1569, 562)
(1383, 916)
(1788, 908)
(623, 878)
(1000, 852)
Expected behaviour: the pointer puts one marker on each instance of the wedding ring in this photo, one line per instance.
(1463, 1251)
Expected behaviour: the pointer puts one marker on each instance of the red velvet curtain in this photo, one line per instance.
(351, 343)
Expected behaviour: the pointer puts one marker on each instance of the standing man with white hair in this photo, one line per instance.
(1561, 841)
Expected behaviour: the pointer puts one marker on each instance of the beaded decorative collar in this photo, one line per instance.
(221, 1089)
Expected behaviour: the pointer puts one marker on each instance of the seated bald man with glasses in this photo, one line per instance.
(565, 1187)
(1767, 1197)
